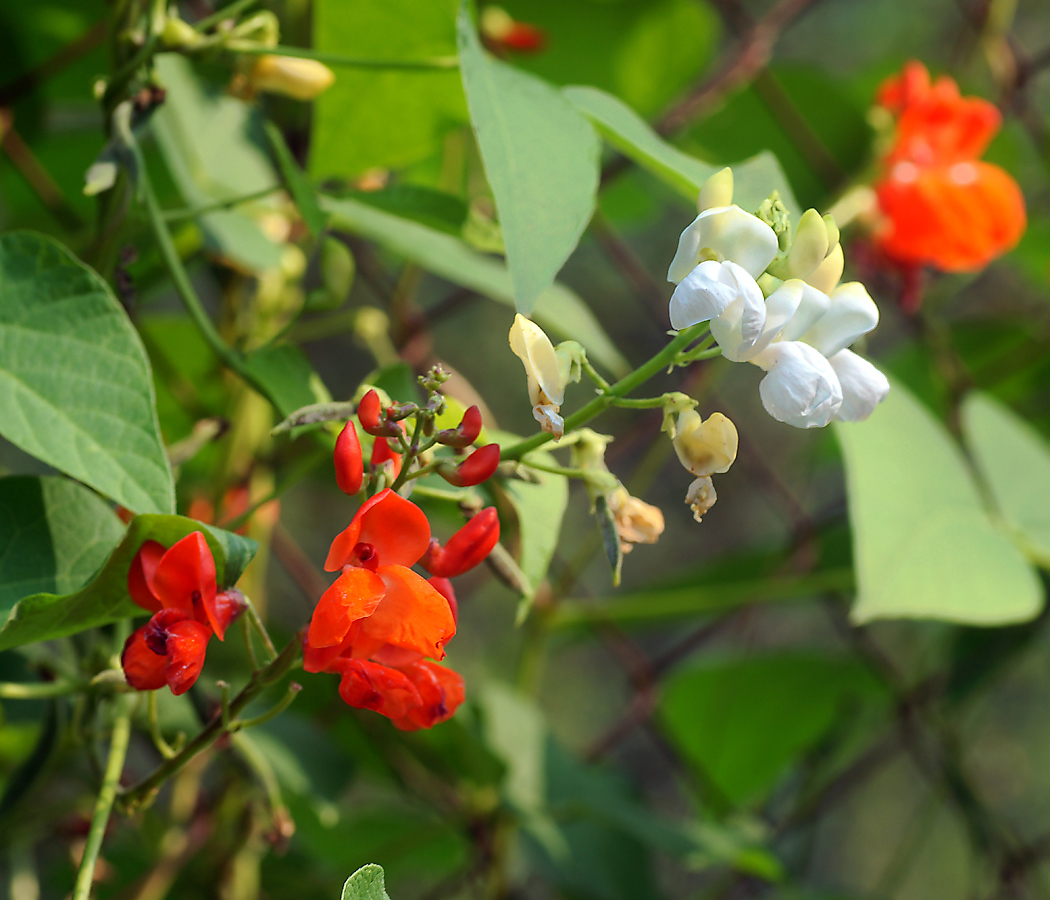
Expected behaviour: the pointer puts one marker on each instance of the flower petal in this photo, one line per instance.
(354, 595)
(441, 691)
(800, 387)
(705, 447)
(396, 528)
(777, 310)
(851, 313)
(140, 575)
(412, 615)
(863, 386)
(531, 345)
(187, 643)
(143, 669)
(812, 306)
(185, 576)
(370, 685)
(727, 233)
(709, 289)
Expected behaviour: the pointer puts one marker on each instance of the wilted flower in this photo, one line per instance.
(705, 447)
(701, 496)
(637, 522)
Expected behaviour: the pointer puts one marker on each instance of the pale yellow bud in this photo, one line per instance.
(495, 23)
(833, 231)
(825, 277)
(705, 447)
(716, 191)
(637, 522)
(701, 496)
(546, 389)
(810, 245)
(301, 79)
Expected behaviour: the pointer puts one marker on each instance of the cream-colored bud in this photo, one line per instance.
(809, 246)
(716, 191)
(177, 34)
(546, 389)
(301, 79)
(705, 447)
(701, 496)
(825, 277)
(637, 522)
(832, 228)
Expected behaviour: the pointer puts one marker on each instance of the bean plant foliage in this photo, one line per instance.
(381, 343)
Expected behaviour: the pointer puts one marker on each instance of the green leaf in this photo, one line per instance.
(1014, 460)
(558, 310)
(610, 538)
(375, 118)
(366, 883)
(621, 126)
(215, 148)
(923, 544)
(541, 158)
(75, 384)
(436, 209)
(45, 616)
(743, 723)
(54, 535)
(288, 378)
(298, 186)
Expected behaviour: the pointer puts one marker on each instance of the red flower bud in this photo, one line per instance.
(476, 468)
(464, 434)
(466, 548)
(382, 453)
(370, 414)
(349, 467)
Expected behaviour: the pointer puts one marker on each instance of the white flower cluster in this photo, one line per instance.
(798, 329)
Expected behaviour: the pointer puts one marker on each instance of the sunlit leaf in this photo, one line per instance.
(541, 157)
(75, 385)
(923, 544)
(45, 616)
(558, 310)
(367, 883)
(1015, 462)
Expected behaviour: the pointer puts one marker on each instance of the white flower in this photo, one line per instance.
(863, 386)
(708, 291)
(546, 387)
(800, 387)
(780, 308)
(724, 233)
(811, 307)
(851, 313)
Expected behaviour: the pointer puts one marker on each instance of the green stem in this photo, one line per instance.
(260, 628)
(594, 375)
(625, 385)
(175, 215)
(253, 48)
(227, 12)
(163, 747)
(10, 690)
(118, 749)
(641, 403)
(556, 470)
(278, 708)
(135, 796)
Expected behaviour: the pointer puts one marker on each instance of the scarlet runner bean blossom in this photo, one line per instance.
(178, 586)
(379, 622)
(942, 205)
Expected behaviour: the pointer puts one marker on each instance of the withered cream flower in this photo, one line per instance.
(701, 496)
(637, 522)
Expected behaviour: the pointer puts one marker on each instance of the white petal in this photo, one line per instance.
(812, 307)
(706, 292)
(552, 423)
(727, 233)
(826, 276)
(532, 346)
(800, 387)
(779, 308)
(863, 386)
(852, 313)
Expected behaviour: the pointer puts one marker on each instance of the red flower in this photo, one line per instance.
(178, 586)
(349, 467)
(379, 620)
(476, 468)
(943, 207)
(466, 548)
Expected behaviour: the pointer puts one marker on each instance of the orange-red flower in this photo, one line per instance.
(379, 620)
(178, 586)
(942, 205)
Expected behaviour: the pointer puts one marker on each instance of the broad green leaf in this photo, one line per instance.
(384, 118)
(621, 126)
(288, 378)
(558, 310)
(367, 883)
(75, 385)
(215, 148)
(541, 157)
(743, 723)
(298, 186)
(923, 544)
(1015, 462)
(54, 535)
(436, 209)
(45, 616)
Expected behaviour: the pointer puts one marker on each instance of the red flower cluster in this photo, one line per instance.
(943, 206)
(379, 621)
(178, 586)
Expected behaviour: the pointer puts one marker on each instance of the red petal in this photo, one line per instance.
(354, 594)
(412, 615)
(369, 685)
(187, 643)
(444, 587)
(466, 548)
(225, 607)
(143, 669)
(476, 468)
(368, 412)
(185, 576)
(349, 466)
(382, 452)
(396, 528)
(318, 659)
(441, 692)
(141, 572)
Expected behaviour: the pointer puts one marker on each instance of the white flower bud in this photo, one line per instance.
(708, 290)
(826, 276)
(800, 387)
(716, 191)
(546, 389)
(810, 245)
(863, 386)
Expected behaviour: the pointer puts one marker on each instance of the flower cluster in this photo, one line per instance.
(775, 301)
(380, 621)
(942, 205)
(178, 586)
